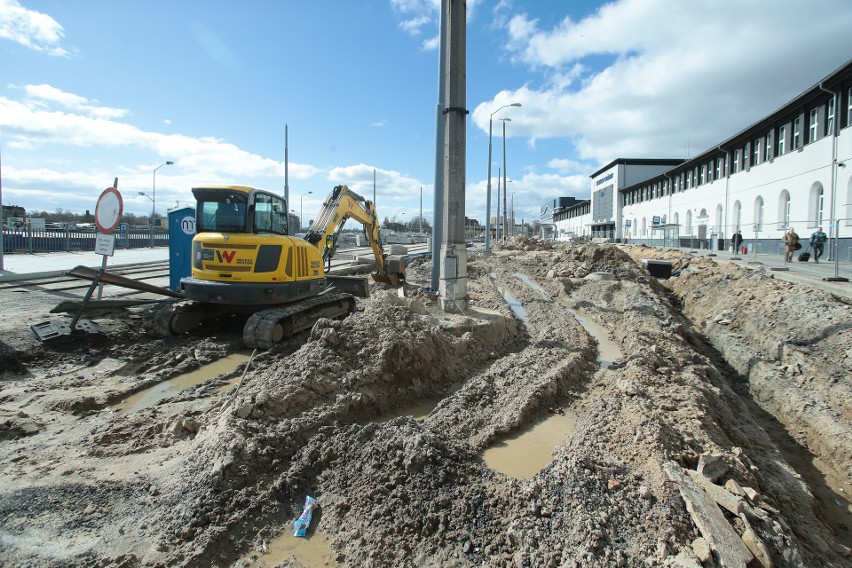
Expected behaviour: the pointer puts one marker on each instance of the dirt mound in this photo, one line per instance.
(672, 424)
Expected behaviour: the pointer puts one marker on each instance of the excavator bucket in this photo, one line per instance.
(394, 273)
(355, 285)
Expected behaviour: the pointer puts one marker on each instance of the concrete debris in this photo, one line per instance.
(712, 466)
(723, 540)
(722, 497)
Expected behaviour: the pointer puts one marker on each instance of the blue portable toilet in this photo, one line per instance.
(181, 231)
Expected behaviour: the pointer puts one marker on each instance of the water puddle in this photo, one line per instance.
(608, 351)
(529, 282)
(154, 394)
(313, 551)
(523, 455)
(516, 307)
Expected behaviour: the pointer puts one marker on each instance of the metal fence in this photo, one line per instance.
(70, 240)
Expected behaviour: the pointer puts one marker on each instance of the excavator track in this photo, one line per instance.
(166, 320)
(265, 328)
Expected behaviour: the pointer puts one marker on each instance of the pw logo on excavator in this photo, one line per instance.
(226, 255)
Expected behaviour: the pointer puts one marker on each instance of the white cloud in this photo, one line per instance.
(417, 15)
(637, 77)
(40, 94)
(27, 125)
(31, 29)
(389, 183)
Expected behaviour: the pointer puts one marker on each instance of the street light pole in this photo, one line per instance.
(154, 199)
(512, 216)
(497, 215)
(488, 193)
(302, 209)
(505, 120)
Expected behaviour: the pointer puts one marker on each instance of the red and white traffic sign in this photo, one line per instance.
(108, 211)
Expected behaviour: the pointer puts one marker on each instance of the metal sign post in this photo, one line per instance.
(107, 216)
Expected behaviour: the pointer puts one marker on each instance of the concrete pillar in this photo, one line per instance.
(453, 256)
(438, 202)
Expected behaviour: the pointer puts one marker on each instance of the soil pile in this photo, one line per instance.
(663, 434)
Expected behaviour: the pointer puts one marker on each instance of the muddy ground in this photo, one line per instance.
(733, 388)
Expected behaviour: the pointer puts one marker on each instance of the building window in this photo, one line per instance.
(703, 172)
(758, 214)
(797, 134)
(829, 123)
(767, 148)
(736, 161)
(745, 157)
(849, 107)
(812, 126)
(820, 206)
(718, 168)
(689, 222)
(782, 133)
(784, 209)
(756, 147)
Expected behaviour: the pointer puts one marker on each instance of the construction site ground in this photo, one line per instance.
(719, 434)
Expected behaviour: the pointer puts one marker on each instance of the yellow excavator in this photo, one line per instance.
(244, 261)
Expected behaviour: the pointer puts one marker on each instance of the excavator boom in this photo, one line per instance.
(341, 205)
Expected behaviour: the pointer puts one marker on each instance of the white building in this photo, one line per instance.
(787, 170)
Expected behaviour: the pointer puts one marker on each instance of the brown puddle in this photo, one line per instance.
(523, 455)
(154, 394)
(313, 551)
(608, 351)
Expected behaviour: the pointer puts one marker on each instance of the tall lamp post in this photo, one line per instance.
(154, 199)
(302, 209)
(505, 227)
(488, 195)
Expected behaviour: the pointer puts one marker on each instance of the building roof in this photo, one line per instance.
(639, 162)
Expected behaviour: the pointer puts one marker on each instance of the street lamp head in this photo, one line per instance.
(515, 104)
(141, 193)
(507, 119)
(169, 163)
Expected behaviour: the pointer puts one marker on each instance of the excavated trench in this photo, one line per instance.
(642, 412)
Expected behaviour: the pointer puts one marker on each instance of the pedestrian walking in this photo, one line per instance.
(736, 241)
(818, 240)
(791, 244)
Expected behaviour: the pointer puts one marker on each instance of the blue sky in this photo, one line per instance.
(91, 90)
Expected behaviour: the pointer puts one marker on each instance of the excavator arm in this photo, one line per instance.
(341, 205)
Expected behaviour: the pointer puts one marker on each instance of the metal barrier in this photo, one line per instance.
(71, 240)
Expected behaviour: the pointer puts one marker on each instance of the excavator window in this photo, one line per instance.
(231, 218)
(270, 214)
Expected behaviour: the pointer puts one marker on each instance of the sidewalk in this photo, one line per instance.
(806, 273)
(43, 265)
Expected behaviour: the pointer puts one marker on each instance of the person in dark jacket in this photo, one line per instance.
(737, 241)
(818, 240)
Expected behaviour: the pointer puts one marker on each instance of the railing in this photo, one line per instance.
(69, 240)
